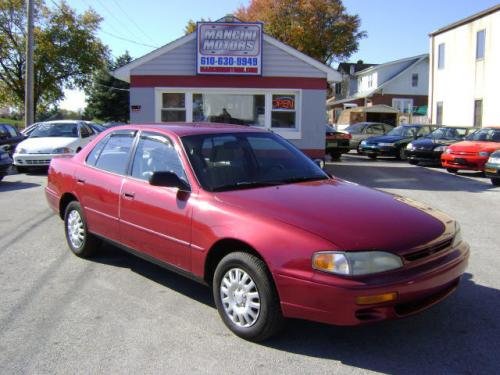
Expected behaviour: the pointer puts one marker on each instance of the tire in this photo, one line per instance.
(335, 155)
(358, 150)
(401, 153)
(495, 181)
(21, 169)
(373, 157)
(452, 170)
(413, 162)
(259, 315)
(80, 241)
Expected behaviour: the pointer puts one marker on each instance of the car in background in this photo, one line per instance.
(336, 142)
(492, 168)
(395, 141)
(5, 163)
(9, 138)
(98, 128)
(111, 124)
(244, 211)
(428, 149)
(29, 129)
(49, 139)
(472, 153)
(363, 130)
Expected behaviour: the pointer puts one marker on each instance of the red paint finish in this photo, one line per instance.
(465, 155)
(232, 81)
(284, 224)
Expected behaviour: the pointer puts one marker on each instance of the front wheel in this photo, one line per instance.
(21, 169)
(335, 155)
(246, 298)
(452, 170)
(413, 162)
(80, 241)
(495, 181)
(373, 157)
(401, 153)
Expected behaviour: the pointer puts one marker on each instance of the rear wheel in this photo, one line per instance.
(373, 157)
(335, 155)
(246, 298)
(413, 162)
(452, 170)
(401, 153)
(358, 150)
(495, 181)
(80, 241)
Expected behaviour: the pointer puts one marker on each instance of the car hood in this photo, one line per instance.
(350, 216)
(475, 146)
(430, 143)
(46, 144)
(386, 139)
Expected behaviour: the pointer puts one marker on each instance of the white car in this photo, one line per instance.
(50, 139)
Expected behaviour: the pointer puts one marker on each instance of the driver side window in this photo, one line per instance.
(156, 153)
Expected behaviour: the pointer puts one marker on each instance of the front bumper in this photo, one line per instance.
(492, 170)
(334, 302)
(466, 162)
(5, 166)
(379, 150)
(424, 156)
(34, 160)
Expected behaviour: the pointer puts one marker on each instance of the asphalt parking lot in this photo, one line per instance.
(119, 314)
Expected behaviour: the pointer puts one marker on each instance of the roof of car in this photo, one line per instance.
(183, 129)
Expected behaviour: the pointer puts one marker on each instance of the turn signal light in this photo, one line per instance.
(378, 298)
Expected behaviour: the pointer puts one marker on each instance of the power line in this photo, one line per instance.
(129, 40)
(111, 87)
(132, 21)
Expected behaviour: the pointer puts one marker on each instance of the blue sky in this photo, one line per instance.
(396, 28)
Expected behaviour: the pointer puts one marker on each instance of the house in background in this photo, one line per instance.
(464, 71)
(349, 84)
(401, 84)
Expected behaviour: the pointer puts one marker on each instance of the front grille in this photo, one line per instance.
(37, 162)
(431, 250)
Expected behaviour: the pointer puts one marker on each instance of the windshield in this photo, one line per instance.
(355, 128)
(404, 131)
(245, 160)
(447, 133)
(61, 129)
(485, 135)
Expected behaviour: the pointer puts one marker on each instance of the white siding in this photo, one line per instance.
(465, 79)
(182, 61)
(402, 85)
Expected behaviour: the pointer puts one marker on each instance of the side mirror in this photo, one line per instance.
(319, 162)
(168, 179)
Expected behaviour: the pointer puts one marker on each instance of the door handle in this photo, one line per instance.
(81, 181)
(129, 195)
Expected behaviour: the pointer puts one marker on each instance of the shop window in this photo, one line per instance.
(283, 111)
(173, 107)
(237, 109)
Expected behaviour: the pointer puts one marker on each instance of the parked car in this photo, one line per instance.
(29, 129)
(492, 168)
(363, 130)
(98, 128)
(472, 153)
(9, 138)
(65, 137)
(394, 142)
(5, 163)
(337, 142)
(428, 149)
(243, 210)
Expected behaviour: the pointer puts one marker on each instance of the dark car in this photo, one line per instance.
(98, 128)
(9, 138)
(394, 143)
(363, 130)
(429, 148)
(5, 163)
(337, 142)
(244, 211)
(492, 168)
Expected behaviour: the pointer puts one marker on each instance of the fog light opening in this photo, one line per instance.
(377, 298)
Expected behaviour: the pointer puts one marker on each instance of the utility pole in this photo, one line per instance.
(29, 112)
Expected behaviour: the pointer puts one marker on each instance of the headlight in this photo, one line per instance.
(458, 235)
(409, 146)
(355, 263)
(440, 148)
(484, 154)
(448, 151)
(363, 143)
(62, 150)
(386, 144)
(494, 160)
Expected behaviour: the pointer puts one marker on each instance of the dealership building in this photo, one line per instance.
(231, 72)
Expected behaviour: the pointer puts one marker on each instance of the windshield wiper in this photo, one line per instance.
(246, 185)
(304, 178)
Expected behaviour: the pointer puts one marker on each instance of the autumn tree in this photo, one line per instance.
(191, 26)
(67, 51)
(107, 97)
(321, 29)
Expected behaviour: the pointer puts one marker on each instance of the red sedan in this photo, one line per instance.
(244, 211)
(473, 153)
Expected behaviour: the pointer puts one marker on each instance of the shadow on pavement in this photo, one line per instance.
(16, 185)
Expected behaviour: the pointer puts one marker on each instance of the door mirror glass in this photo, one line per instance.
(168, 179)
(84, 132)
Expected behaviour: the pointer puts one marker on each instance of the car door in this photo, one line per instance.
(99, 182)
(156, 220)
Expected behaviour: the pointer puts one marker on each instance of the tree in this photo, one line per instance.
(108, 98)
(321, 29)
(191, 26)
(67, 51)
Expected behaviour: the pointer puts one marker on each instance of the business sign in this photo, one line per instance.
(229, 48)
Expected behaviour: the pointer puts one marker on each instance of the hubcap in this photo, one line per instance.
(75, 228)
(240, 297)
